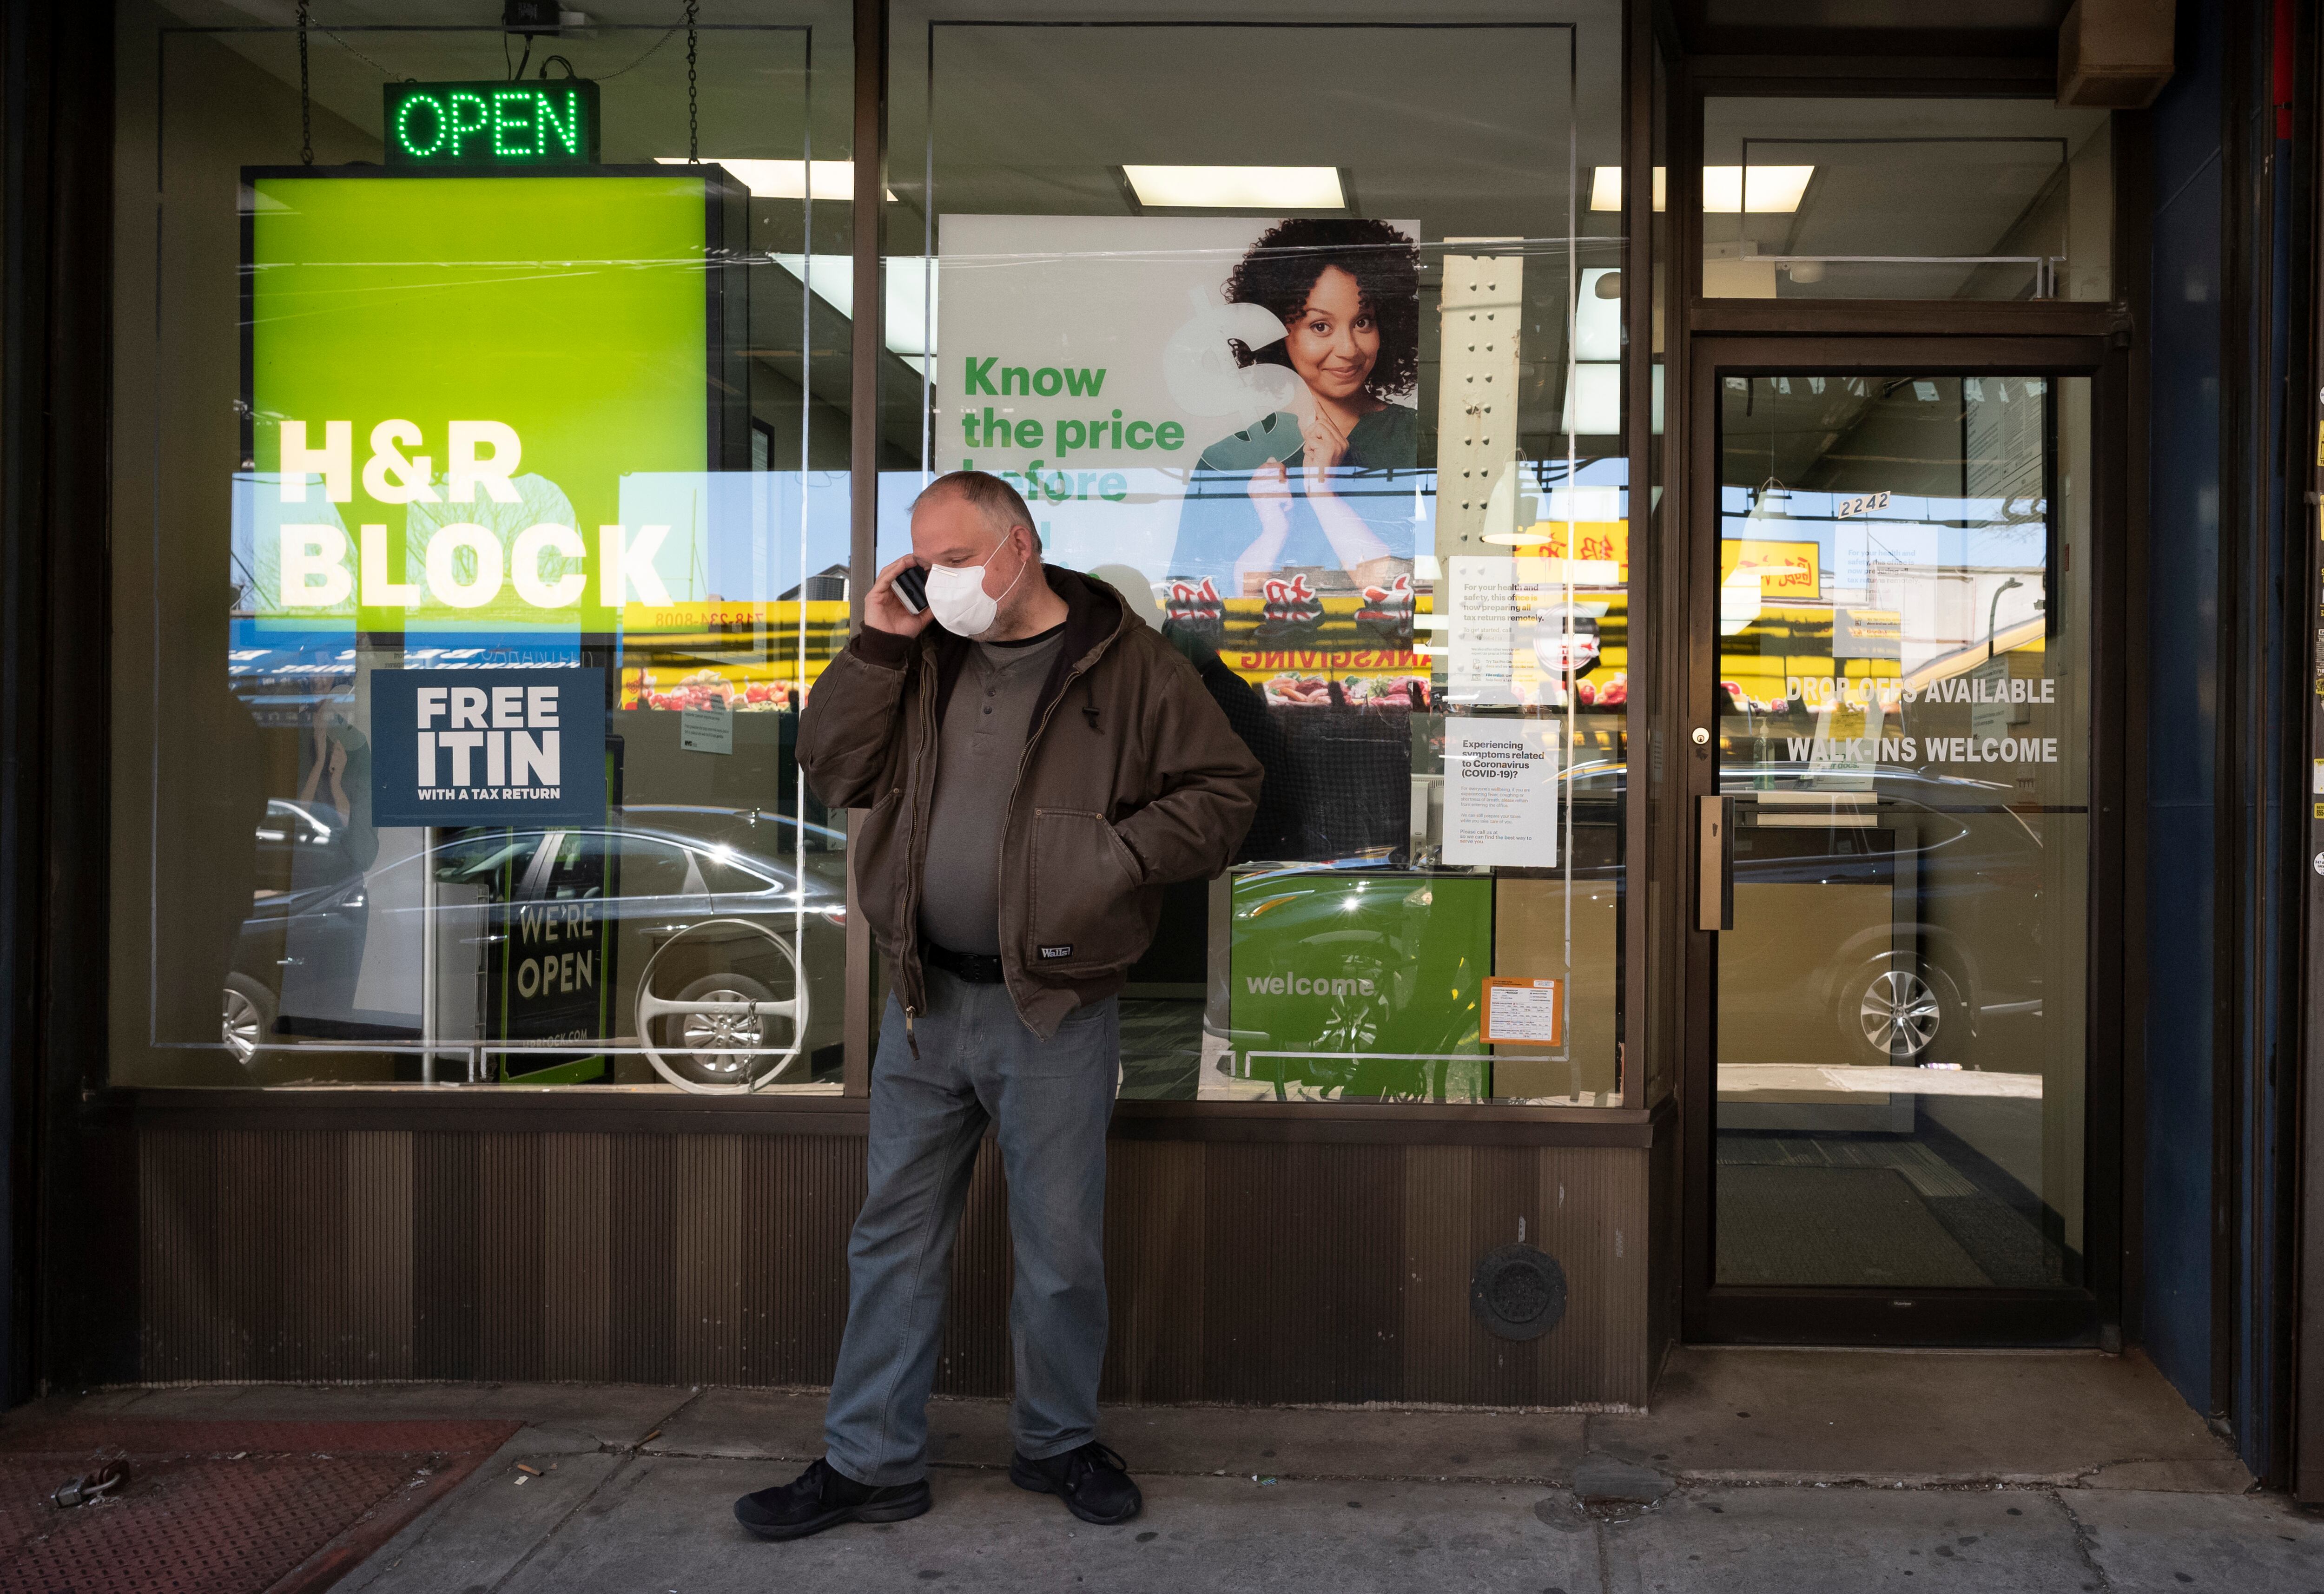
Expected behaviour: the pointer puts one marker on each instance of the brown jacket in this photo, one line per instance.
(1130, 780)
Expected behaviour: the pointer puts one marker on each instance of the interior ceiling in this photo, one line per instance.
(1765, 431)
(1904, 178)
(751, 104)
(1472, 132)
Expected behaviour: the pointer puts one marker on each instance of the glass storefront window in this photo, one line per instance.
(1321, 369)
(484, 475)
(1905, 199)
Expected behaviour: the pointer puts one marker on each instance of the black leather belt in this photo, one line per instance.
(978, 968)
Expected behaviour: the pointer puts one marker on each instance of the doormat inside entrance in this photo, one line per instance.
(220, 1507)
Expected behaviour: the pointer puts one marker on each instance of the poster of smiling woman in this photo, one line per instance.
(1229, 406)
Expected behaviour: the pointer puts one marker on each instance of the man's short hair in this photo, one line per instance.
(995, 499)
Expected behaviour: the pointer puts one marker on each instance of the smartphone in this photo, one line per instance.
(911, 585)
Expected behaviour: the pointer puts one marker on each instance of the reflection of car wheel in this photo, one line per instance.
(246, 1017)
(718, 1044)
(739, 1049)
(1895, 1009)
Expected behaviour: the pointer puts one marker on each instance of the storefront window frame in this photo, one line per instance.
(1627, 1124)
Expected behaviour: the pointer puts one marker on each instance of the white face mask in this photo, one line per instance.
(957, 598)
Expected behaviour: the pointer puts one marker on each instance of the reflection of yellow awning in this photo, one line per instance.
(1944, 667)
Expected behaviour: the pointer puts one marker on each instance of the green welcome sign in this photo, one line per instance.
(1343, 984)
(448, 378)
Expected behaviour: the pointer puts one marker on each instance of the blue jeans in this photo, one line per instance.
(1049, 1104)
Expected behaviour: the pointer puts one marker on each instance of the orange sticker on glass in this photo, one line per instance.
(1523, 1012)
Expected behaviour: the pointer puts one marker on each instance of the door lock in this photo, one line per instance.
(1701, 737)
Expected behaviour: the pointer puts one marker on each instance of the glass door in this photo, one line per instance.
(1894, 838)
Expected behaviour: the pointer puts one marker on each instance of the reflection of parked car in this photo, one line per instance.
(1896, 914)
(1888, 917)
(542, 933)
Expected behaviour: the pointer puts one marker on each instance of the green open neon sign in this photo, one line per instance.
(493, 124)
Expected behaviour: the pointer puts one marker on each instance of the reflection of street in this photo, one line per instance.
(1899, 1044)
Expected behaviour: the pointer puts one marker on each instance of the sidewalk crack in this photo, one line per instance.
(548, 1538)
(2085, 1546)
(699, 1394)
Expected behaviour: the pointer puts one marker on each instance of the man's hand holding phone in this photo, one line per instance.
(899, 601)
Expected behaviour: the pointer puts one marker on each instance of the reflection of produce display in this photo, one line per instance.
(1388, 694)
(1297, 691)
(744, 688)
(1613, 692)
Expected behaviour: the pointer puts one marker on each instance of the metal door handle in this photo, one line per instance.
(1714, 863)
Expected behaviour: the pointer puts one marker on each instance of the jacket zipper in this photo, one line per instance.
(915, 980)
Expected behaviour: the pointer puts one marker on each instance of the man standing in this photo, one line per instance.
(1038, 763)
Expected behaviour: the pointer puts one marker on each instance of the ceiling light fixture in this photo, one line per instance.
(1773, 190)
(1606, 188)
(1237, 188)
(784, 179)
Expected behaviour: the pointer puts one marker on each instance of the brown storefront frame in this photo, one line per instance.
(2089, 337)
(256, 1233)
(1718, 1312)
(506, 1112)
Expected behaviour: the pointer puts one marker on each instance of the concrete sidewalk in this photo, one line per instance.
(1756, 1469)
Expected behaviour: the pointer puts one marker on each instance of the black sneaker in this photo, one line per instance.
(1095, 1482)
(824, 1498)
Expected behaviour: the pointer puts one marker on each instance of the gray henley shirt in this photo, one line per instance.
(979, 746)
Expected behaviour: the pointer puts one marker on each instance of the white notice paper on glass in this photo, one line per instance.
(1500, 792)
(706, 730)
(1483, 603)
(1514, 623)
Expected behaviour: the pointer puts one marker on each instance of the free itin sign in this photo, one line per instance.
(455, 747)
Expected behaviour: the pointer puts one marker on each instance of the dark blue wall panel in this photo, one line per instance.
(2183, 709)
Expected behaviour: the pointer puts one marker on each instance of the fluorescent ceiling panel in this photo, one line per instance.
(1771, 191)
(784, 179)
(1237, 188)
(911, 330)
(1606, 188)
(1775, 191)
